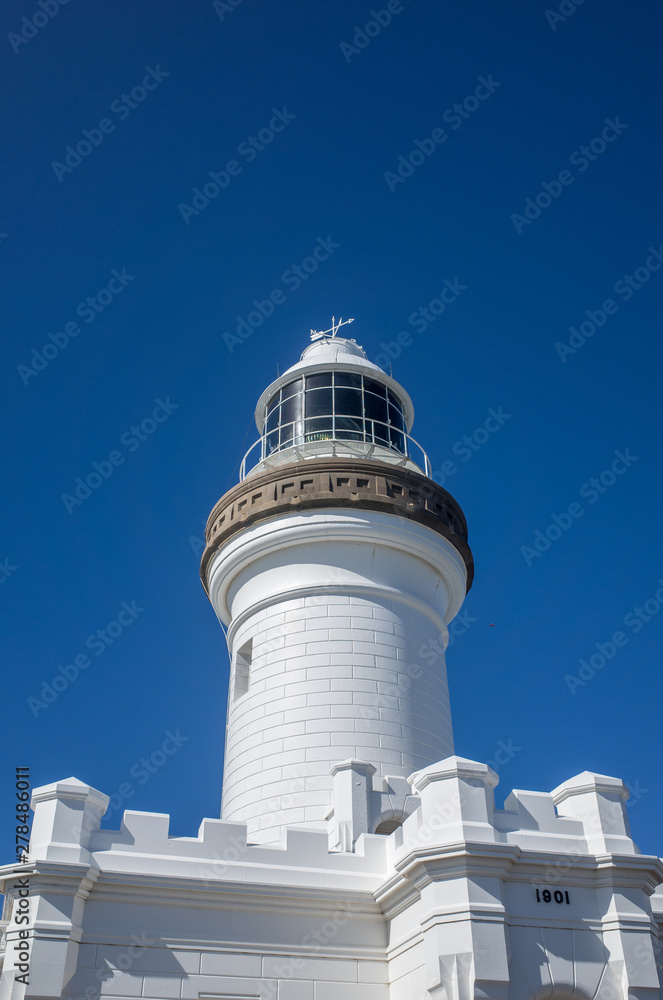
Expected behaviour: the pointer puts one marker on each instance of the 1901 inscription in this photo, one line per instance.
(546, 896)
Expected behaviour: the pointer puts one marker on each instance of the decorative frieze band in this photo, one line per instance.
(335, 482)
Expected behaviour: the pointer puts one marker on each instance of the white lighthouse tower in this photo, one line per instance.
(335, 564)
(357, 856)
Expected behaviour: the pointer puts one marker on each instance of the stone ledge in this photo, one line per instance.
(337, 483)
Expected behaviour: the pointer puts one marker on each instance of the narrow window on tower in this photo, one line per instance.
(243, 669)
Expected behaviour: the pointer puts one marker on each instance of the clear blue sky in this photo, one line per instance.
(167, 95)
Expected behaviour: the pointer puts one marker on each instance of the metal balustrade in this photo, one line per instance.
(345, 435)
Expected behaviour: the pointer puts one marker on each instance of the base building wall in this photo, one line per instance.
(548, 897)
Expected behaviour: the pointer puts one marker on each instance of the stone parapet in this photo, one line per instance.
(463, 900)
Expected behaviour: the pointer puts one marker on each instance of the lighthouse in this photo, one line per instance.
(357, 855)
(336, 565)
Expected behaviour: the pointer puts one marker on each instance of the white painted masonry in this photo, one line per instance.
(338, 671)
(357, 857)
(446, 905)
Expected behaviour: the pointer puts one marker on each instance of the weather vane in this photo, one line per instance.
(334, 328)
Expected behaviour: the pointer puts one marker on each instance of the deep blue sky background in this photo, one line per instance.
(323, 176)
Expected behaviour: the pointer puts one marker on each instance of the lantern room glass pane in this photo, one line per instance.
(370, 385)
(377, 432)
(318, 402)
(348, 402)
(291, 389)
(274, 401)
(397, 439)
(319, 429)
(349, 428)
(396, 418)
(374, 408)
(347, 379)
(319, 381)
(291, 410)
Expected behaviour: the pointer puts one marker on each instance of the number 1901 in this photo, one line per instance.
(546, 896)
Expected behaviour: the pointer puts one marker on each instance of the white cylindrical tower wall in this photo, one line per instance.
(337, 631)
(333, 676)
